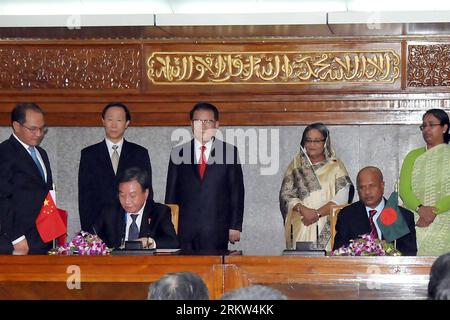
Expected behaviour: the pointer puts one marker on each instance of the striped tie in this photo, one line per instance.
(373, 231)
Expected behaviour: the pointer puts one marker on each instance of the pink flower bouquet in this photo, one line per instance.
(84, 244)
(367, 245)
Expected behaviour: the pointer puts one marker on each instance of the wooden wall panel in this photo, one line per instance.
(73, 80)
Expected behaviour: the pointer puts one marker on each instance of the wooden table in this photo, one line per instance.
(128, 277)
(333, 277)
(101, 277)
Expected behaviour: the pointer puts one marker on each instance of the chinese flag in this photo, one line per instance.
(62, 239)
(49, 222)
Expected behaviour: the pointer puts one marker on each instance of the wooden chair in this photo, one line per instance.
(174, 210)
(334, 211)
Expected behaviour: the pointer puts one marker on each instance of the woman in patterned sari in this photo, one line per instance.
(314, 181)
(425, 184)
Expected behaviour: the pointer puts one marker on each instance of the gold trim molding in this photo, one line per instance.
(290, 67)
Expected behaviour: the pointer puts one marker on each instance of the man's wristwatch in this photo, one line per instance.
(418, 207)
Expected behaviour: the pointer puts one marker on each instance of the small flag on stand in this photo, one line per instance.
(49, 221)
(391, 221)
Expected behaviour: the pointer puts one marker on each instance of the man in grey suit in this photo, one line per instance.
(205, 179)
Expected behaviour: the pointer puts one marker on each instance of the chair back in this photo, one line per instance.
(174, 211)
(334, 211)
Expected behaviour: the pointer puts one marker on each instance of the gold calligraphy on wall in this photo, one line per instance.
(297, 67)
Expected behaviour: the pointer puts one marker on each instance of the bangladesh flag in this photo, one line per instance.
(391, 221)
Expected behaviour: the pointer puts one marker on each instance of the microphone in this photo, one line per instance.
(292, 237)
(317, 235)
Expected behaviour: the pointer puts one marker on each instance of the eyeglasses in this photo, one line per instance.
(311, 141)
(36, 130)
(424, 125)
(207, 122)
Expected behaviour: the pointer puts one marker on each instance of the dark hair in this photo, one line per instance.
(204, 106)
(443, 289)
(442, 116)
(440, 270)
(20, 110)
(254, 292)
(318, 126)
(117, 105)
(135, 174)
(178, 286)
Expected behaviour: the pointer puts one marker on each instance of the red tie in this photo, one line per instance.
(373, 231)
(202, 163)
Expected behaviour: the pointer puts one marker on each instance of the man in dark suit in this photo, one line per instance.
(137, 217)
(25, 180)
(102, 162)
(205, 179)
(354, 220)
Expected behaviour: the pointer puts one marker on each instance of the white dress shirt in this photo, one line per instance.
(130, 220)
(110, 144)
(138, 222)
(198, 149)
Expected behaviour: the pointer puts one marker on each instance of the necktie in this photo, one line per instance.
(115, 158)
(373, 231)
(133, 231)
(36, 161)
(202, 163)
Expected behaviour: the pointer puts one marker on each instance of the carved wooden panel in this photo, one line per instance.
(260, 68)
(86, 68)
(297, 67)
(429, 65)
(253, 82)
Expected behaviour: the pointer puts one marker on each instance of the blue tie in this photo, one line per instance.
(36, 161)
(133, 231)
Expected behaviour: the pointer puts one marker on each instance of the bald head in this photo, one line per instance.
(370, 186)
(370, 170)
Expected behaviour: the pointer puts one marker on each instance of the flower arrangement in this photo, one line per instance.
(367, 245)
(84, 244)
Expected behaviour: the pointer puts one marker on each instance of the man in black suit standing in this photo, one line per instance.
(137, 217)
(360, 217)
(102, 162)
(205, 179)
(25, 180)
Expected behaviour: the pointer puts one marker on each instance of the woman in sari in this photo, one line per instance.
(314, 181)
(425, 184)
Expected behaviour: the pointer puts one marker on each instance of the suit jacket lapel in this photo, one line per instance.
(103, 157)
(122, 224)
(364, 219)
(30, 166)
(194, 165)
(123, 159)
(47, 167)
(145, 230)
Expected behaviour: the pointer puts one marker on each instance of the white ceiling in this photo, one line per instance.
(63, 13)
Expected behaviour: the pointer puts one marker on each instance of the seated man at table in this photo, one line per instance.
(138, 217)
(361, 217)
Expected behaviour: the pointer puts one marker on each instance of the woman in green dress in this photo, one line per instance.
(425, 184)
